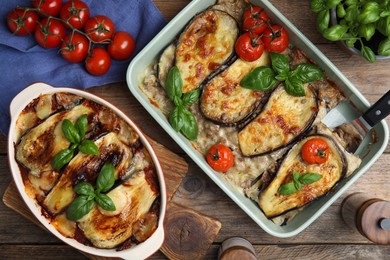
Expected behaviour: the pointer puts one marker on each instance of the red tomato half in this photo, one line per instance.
(76, 12)
(122, 46)
(75, 47)
(275, 39)
(99, 28)
(254, 19)
(21, 21)
(49, 33)
(99, 62)
(315, 151)
(249, 47)
(49, 7)
(220, 157)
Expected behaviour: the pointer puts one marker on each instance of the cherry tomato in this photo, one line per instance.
(254, 19)
(22, 22)
(315, 151)
(49, 7)
(75, 47)
(99, 28)
(122, 46)
(220, 157)
(249, 47)
(275, 39)
(99, 62)
(76, 12)
(49, 33)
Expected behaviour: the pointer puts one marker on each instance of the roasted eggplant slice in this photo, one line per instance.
(132, 199)
(85, 167)
(204, 46)
(274, 204)
(224, 101)
(166, 61)
(282, 120)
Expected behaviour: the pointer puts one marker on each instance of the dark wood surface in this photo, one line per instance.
(328, 237)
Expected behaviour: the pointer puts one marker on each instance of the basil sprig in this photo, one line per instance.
(265, 78)
(298, 182)
(75, 134)
(88, 195)
(181, 119)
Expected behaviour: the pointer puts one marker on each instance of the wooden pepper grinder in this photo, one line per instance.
(370, 216)
(236, 248)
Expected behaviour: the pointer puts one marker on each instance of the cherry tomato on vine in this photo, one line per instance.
(220, 157)
(255, 19)
(75, 47)
(122, 46)
(249, 47)
(22, 22)
(50, 7)
(49, 33)
(99, 28)
(315, 151)
(99, 62)
(76, 12)
(275, 39)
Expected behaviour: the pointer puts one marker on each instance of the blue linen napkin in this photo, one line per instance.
(23, 61)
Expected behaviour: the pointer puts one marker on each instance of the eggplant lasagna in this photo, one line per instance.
(135, 191)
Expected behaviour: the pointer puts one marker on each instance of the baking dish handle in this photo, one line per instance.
(33, 90)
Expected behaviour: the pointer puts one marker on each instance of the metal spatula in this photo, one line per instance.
(343, 113)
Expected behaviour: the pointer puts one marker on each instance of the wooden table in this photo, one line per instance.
(327, 237)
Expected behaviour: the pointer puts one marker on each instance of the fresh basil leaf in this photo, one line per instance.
(322, 20)
(88, 147)
(70, 131)
(176, 118)
(287, 189)
(84, 188)
(62, 158)
(368, 54)
(384, 47)
(351, 42)
(383, 26)
(351, 2)
(105, 202)
(281, 77)
(191, 97)
(308, 72)
(370, 13)
(177, 101)
(335, 32)
(73, 147)
(174, 83)
(352, 13)
(280, 63)
(81, 125)
(296, 182)
(105, 179)
(384, 13)
(294, 87)
(317, 5)
(190, 126)
(309, 178)
(367, 30)
(79, 208)
(261, 78)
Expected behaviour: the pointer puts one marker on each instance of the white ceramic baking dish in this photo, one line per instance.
(151, 52)
(140, 251)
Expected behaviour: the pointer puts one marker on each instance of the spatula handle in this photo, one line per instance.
(378, 111)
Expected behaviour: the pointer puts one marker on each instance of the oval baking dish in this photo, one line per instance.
(43, 208)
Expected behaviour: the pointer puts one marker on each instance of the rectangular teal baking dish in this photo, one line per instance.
(310, 213)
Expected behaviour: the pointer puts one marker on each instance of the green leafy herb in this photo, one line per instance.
(74, 134)
(181, 119)
(298, 181)
(88, 195)
(384, 47)
(264, 78)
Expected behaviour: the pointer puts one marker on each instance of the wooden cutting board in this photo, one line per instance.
(175, 169)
